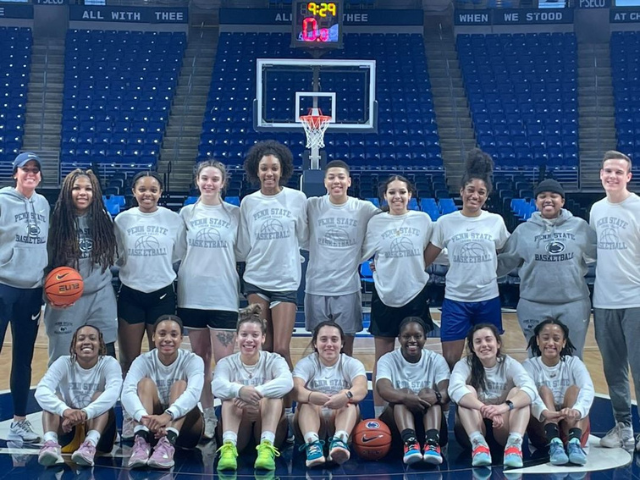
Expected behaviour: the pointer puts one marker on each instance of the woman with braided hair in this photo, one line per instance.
(82, 237)
(472, 237)
(77, 395)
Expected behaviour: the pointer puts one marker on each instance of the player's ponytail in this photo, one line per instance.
(478, 165)
(251, 314)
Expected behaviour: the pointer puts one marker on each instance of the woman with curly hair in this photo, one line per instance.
(77, 395)
(273, 227)
(82, 237)
(472, 237)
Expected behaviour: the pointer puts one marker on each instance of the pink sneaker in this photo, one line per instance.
(84, 455)
(50, 454)
(140, 453)
(162, 456)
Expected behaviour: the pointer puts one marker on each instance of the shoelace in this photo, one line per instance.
(24, 425)
(315, 447)
(270, 447)
(431, 448)
(513, 450)
(226, 446)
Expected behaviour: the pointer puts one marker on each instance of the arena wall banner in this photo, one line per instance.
(16, 11)
(273, 16)
(85, 13)
(513, 16)
(624, 15)
(593, 4)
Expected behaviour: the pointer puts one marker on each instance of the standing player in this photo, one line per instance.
(398, 239)
(208, 279)
(161, 393)
(273, 226)
(148, 244)
(79, 390)
(82, 237)
(494, 391)
(337, 226)
(24, 227)
(616, 296)
(414, 381)
(252, 385)
(472, 237)
(328, 385)
(552, 250)
(565, 394)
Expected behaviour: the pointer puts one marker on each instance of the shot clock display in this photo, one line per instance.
(317, 24)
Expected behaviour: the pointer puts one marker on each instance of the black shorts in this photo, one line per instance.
(385, 320)
(197, 319)
(136, 307)
(288, 296)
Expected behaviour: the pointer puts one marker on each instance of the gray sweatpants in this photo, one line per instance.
(616, 333)
(574, 315)
(98, 309)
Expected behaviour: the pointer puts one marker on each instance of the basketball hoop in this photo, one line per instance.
(315, 124)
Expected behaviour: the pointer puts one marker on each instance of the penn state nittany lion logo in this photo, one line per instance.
(33, 230)
(85, 244)
(554, 247)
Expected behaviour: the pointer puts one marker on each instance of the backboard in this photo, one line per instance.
(342, 89)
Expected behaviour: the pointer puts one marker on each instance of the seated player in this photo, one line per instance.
(414, 381)
(161, 393)
(565, 394)
(77, 395)
(328, 385)
(251, 385)
(493, 392)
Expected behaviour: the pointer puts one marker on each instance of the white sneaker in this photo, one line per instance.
(22, 431)
(127, 427)
(210, 422)
(620, 436)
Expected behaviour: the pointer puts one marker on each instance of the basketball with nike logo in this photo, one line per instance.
(63, 286)
(371, 439)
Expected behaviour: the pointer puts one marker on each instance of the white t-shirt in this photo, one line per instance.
(568, 372)
(188, 366)
(428, 372)
(328, 380)
(471, 243)
(618, 269)
(270, 376)
(499, 380)
(148, 245)
(336, 233)
(398, 243)
(76, 386)
(208, 278)
(272, 229)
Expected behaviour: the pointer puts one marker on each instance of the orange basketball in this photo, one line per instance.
(63, 286)
(371, 439)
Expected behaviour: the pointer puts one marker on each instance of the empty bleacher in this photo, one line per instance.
(117, 95)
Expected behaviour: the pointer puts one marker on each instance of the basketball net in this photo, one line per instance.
(315, 124)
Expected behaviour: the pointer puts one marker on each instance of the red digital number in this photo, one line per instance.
(311, 33)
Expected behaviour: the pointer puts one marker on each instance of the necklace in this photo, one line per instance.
(249, 369)
(398, 230)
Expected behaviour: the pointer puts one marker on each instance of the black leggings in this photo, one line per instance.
(21, 307)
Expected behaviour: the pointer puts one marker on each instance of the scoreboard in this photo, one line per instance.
(317, 24)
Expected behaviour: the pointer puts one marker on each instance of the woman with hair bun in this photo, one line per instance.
(472, 237)
(252, 384)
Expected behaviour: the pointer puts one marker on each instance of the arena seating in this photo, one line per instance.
(15, 64)
(407, 134)
(625, 73)
(522, 92)
(118, 90)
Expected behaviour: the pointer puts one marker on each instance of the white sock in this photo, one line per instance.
(50, 437)
(311, 437)
(268, 436)
(477, 437)
(137, 428)
(342, 435)
(231, 437)
(378, 409)
(93, 437)
(514, 439)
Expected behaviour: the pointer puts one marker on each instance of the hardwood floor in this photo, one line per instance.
(513, 340)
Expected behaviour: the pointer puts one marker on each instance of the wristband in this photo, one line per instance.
(509, 404)
(309, 397)
(438, 397)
